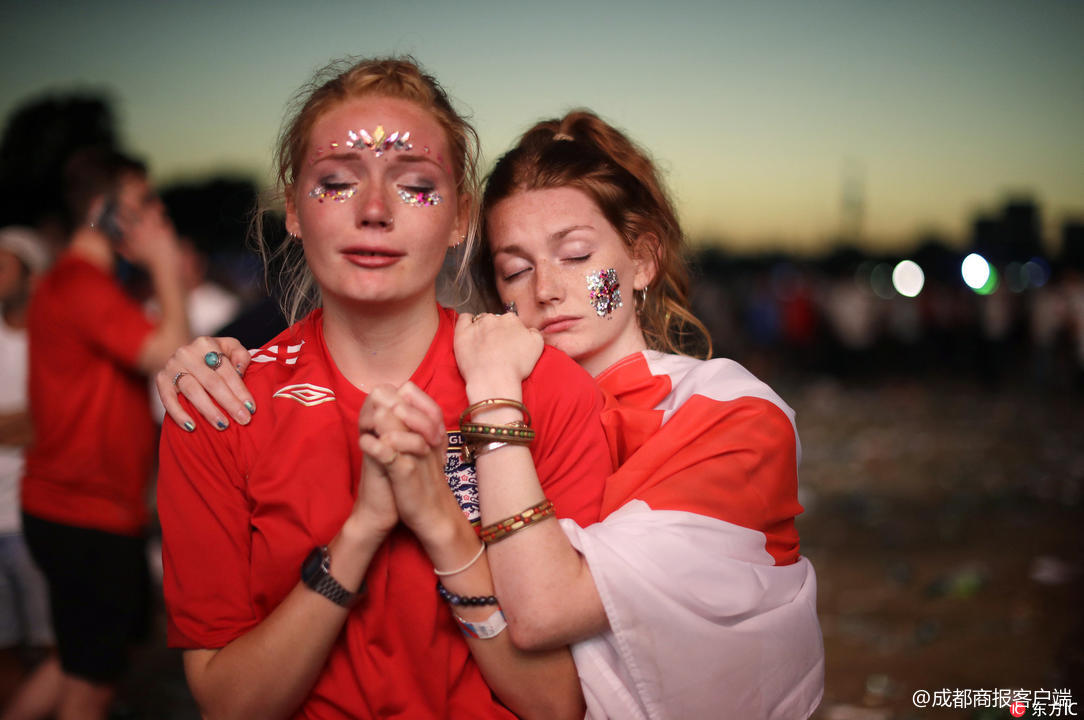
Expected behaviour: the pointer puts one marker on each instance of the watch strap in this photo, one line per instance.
(322, 582)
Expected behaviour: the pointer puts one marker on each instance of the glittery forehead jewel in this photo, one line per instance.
(379, 141)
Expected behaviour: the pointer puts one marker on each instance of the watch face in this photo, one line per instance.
(310, 569)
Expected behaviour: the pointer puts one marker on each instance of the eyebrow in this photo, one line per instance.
(552, 238)
(353, 154)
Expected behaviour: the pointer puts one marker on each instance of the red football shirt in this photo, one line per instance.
(241, 508)
(93, 448)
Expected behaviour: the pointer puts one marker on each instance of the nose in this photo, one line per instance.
(548, 287)
(375, 210)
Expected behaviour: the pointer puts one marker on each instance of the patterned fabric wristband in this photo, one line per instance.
(500, 530)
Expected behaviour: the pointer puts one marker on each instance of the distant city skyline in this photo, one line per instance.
(779, 125)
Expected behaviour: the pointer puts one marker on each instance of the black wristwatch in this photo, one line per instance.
(316, 574)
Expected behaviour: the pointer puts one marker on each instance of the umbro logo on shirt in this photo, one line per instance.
(306, 394)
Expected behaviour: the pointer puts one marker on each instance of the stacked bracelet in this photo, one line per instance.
(479, 438)
(500, 530)
(464, 600)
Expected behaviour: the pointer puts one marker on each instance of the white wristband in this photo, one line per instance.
(486, 629)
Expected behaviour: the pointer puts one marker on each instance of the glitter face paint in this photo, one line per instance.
(378, 141)
(604, 291)
(422, 198)
(342, 194)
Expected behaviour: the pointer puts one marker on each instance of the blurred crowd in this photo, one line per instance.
(844, 317)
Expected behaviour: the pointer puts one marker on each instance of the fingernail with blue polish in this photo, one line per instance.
(250, 406)
(190, 426)
(221, 424)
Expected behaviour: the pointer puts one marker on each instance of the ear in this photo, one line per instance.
(293, 225)
(94, 211)
(462, 220)
(646, 258)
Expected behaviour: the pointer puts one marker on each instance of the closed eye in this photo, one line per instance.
(339, 191)
(516, 274)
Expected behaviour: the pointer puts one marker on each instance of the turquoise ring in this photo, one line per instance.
(213, 360)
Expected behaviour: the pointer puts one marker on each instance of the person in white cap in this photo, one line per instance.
(24, 600)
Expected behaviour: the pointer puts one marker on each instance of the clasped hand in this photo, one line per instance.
(404, 443)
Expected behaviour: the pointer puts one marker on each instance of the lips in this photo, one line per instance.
(372, 257)
(558, 324)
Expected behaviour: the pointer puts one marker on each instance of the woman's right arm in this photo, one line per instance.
(248, 666)
(545, 585)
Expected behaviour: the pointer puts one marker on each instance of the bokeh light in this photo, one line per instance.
(881, 281)
(1037, 271)
(908, 278)
(976, 271)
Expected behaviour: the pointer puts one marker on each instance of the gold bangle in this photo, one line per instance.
(494, 403)
(500, 530)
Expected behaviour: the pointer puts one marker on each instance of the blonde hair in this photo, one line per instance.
(584, 152)
(343, 80)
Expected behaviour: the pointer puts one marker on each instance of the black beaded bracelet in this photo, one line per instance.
(464, 600)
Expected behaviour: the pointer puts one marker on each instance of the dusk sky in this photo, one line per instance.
(758, 113)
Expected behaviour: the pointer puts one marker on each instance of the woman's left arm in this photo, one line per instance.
(405, 433)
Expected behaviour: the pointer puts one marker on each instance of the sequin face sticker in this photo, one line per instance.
(420, 198)
(604, 291)
(339, 194)
(379, 141)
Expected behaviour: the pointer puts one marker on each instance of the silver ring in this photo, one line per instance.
(177, 378)
(213, 360)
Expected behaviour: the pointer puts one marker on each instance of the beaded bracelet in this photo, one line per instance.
(475, 434)
(511, 432)
(465, 600)
(492, 403)
(500, 530)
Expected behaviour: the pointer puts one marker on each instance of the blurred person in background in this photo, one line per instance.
(85, 484)
(25, 632)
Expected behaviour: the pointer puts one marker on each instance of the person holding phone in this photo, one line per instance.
(84, 487)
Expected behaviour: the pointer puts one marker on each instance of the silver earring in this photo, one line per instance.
(642, 297)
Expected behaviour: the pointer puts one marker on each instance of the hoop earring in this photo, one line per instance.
(641, 300)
